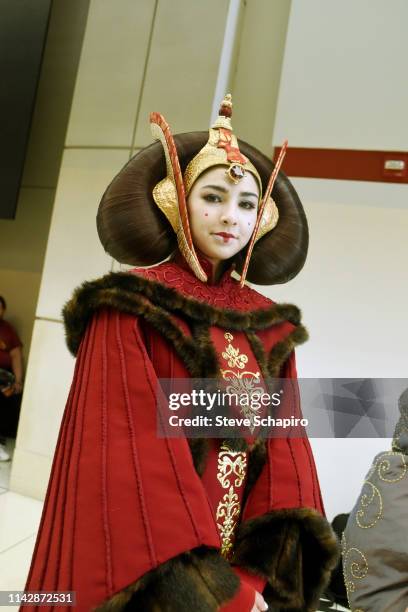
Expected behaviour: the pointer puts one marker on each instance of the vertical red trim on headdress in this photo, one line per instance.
(261, 209)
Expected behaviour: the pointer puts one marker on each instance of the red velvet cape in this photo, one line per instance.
(121, 501)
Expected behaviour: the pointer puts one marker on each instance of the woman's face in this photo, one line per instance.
(222, 214)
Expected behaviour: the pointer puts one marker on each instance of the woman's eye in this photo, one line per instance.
(212, 197)
(247, 204)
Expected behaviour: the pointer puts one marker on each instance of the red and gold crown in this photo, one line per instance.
(222, 149)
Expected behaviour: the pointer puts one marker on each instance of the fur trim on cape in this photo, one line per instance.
(199, 579)
(153, 300)
(305, 551)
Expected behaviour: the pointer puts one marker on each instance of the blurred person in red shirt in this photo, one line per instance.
(11, 363)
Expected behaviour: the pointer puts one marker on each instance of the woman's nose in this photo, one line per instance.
(228, 216)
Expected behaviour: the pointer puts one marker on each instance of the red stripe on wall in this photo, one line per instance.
(346, 164)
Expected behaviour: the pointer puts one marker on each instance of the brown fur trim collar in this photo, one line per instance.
(137, 295)
(295, 550)
(199, 579)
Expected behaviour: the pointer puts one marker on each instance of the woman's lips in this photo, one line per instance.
(225, 236)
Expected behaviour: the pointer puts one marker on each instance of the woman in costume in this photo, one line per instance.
(133, 521)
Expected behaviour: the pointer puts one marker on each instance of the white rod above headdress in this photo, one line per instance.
(226, 58)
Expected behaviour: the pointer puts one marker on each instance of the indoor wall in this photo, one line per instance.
(342, 88)
(24, 239)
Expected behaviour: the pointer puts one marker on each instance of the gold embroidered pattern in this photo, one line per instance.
(366, 500)
(243, 383)
(228, 509)
(231, 463)
(231, 466)
(232, 355)
(355, 567)
(371, 511)
(383, 466)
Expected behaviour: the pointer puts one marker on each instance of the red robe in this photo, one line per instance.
(123, 505)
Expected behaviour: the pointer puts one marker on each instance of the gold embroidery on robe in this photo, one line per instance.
(369, 503)
(355, 567)
(232, 355)
(241, 383)
(383, 466)
(228, 509)
(231, 473)
(231, 463)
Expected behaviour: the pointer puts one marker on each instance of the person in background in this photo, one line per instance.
(11, 361)
(375, 541)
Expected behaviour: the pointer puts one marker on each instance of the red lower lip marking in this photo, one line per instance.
(225, 237)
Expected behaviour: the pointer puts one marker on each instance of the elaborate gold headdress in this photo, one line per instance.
(221, 150)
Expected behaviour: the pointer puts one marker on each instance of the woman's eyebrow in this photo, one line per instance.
(216, 187)
(247, 194)
(244, 194)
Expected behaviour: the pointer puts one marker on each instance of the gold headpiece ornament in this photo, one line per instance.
(221, 150)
